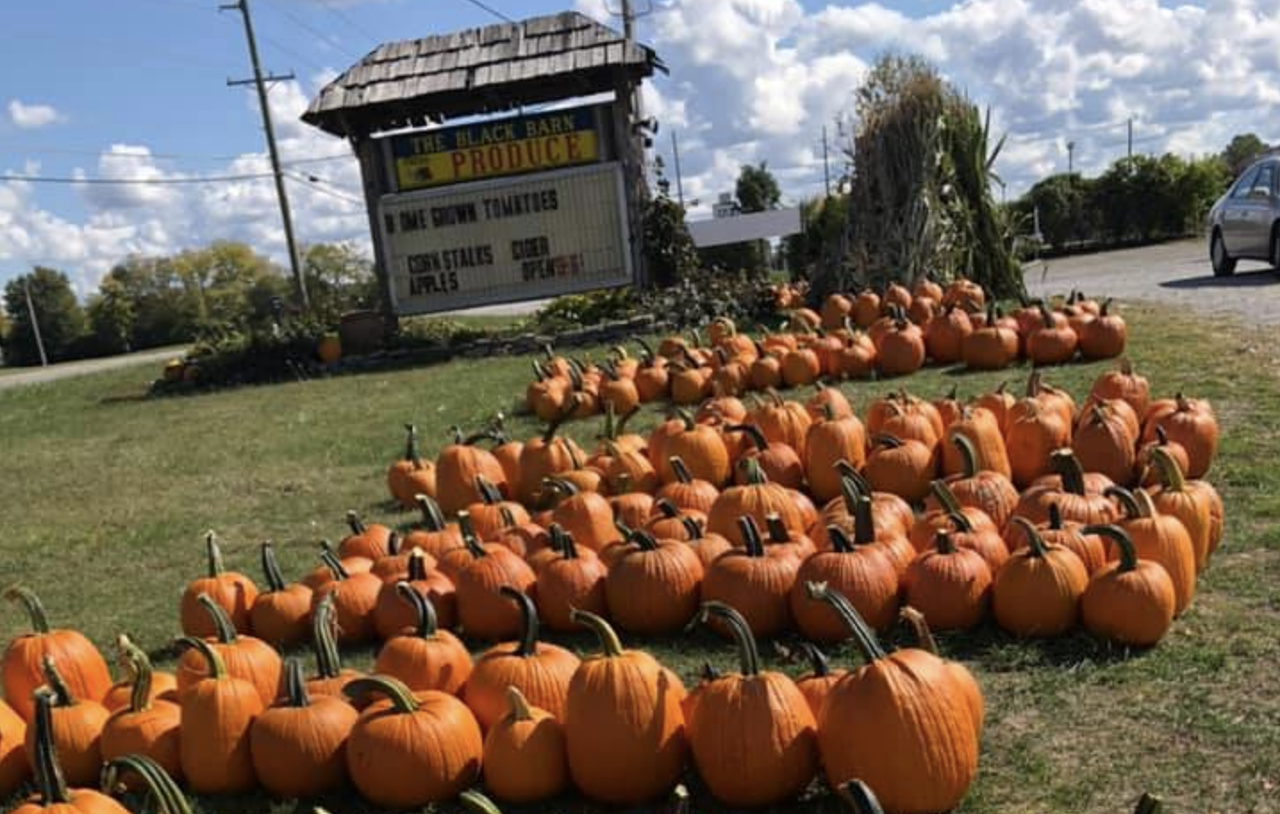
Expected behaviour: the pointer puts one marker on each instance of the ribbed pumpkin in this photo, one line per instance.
(1088, 548)
(752, 734)
(572, 578)
(244, 657)
(52, 794)
(630, 468)
(22, 670)
(1079, 496)
(624, 727)
(543, 457)
(902, 350)
(1105, 442)
(782, 422)
(780, 463)
(1105, 336)
(330, 677)
(1031, 436)
(411, 475)
(1130, 601)
(817, 683)
(1160, 538)
(653, 586)
(233, 591)
(457, 466)
(281, 614)
(861, 570)
(434, 536)
(426, 657)
(980, 427)
(299, 744)
(992, 346)
(1189, 422)
(757, 499)
(1190, 506)
(538, 669)
(1000, 402)
(585, 515)
(980, 488)
(365, 540)
(830, 440)
(1123, 383)
(77, 729)
(687, 491)
(355, 595)
(951, 586)
(755, 578)
(1037, 592)
(482, 612)
(217, 714)
(525, 758)
(965, 533)
(901, 723)
(901, 467)
(15, 767)
(147, 726)
(1052, 342)
(945, 335)
(963, 681)
(392, 615)
(411, 748)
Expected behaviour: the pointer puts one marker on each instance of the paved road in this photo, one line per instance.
(63, 370)
(1177, 273)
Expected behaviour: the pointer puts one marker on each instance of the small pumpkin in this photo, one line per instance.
(426, 657)
(233, 591)
(77, 729)
(330, 676)
(863, 571)
(985, 489)
(653, 586)
(1189, 422)
(687, 491)
(756, 578)
(482, 611)
(573, 578)
(1130, 601)
(1161, 538)
(411, 475)
(901, 467)
(525, 758)
(586, 515)
(282, 613)
(757, 498)
(392, 615)
(780, 463)
(950, 585)
(365, 540)
(817, 683)
(1191, 506)
(829, 441)
(355, 595)
(1037, 592)
(147, 726)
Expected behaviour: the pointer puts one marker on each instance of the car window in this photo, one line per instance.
(1245, 183)
(1265, 181)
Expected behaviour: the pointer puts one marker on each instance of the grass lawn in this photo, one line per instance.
(107, 494)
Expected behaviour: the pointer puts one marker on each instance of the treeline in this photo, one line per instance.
(148, 302)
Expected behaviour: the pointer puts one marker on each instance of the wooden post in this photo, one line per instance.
(630, 151)
(373, 174)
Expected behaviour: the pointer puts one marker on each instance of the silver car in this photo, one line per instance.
(1245, 223)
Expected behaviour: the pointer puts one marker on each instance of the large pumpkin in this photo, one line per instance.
(22, 669)
(1130, 601)
(653, 585)
(217, 714)
(52, 794)
(1037, 592)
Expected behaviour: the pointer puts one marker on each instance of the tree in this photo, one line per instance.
(669, 253)
(823, 219)
(61, 319)
(339, 279)
(1243, 149)
(223, 276)
(165, 307)
(757, 189)
(111, 317)
(1060, 202)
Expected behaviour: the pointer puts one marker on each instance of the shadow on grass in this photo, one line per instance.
(1246, 279)
(997, 651)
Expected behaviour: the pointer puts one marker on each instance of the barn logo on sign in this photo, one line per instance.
(452, 155)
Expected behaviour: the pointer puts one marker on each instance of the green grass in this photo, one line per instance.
(106, 495)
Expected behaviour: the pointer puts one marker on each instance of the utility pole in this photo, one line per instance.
(260, 82)
(35, 323)
(826, 165)
(1130, 153)
(675, 154)
(1071, 158)
(628, 21)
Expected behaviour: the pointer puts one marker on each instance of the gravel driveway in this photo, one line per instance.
(1176, 273)
(64, 370)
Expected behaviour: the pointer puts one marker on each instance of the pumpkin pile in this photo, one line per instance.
(853, 337)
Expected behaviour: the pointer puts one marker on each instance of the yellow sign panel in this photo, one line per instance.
(495, 160)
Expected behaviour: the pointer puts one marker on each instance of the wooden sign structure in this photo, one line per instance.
(512, 206)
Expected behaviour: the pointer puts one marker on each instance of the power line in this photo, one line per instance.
(319, 185)
(84, 151)
(303, 24)
(285, 49)
(486, 7)
(351, 23)
(204, 179)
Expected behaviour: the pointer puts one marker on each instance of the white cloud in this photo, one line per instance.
(32, 117)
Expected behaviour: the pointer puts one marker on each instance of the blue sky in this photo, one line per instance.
(751, 80)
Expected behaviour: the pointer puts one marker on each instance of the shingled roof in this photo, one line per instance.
(477, 71)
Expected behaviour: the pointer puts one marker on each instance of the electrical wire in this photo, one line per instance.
(351, 23)
(486, 7)
(204, 179)
(318, 185)
(84, 151)
(303, 24)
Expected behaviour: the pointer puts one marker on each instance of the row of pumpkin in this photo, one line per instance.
(618, 726)
(892, 336)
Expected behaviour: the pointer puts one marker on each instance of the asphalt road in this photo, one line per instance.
(1172, 273)
(63, 370)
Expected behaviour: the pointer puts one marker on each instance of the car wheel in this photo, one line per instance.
(1275, 247)
(1223, 264)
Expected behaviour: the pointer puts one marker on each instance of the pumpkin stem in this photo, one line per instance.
(920, 627)
(213, 662)
(691, 528)
(682, 471)
(565, 487)
(223, 626)
(411, 445)
(271, 568)
(424, 613)
(432, 517)
(890, 441)
(1055, 517)
(754, 473)
(553, 425)
(416, 569)
(750, 536)
(518, 705)
(753, 432)
(35, 608)
(942, 542)
(169, 798)
(393, 544)
(1034, 540)
(970, 460)
(1117, 535)
(748, 652)
(562, 541)
(859, 798)
(946, 498)
(331, 561)
(1067, 465)
(295, 688)
(819, 665)
(667, 508)
(863, 636)
(56, 683)
(1128, 501)
(864, 526)
(778, 533)
(961, 522)
(50, 782)
(213, 554)
(609, 641)
(1171, 475)
(323, 639)
(1148, 803)
(141, 672)
(489, 493)
(473, 802)
(355, 523)
(469, 538)
(402, 700)
(643, 539)
(528, 645)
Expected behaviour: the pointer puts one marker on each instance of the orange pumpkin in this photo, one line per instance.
(233, 591)
(22, 670)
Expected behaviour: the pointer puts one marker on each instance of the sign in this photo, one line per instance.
(549, 234)
(491, 149)
(739, 227)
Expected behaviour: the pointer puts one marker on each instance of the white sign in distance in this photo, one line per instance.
(505, 240)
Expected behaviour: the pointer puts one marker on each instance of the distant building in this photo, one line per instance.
(726, 207)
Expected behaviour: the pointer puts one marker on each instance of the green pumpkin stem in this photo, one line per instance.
(946, 498)
(840, 542)
(754, 473)
(1055, 517)
(411, 446)
(473, 802)
(517, 705)
(331, 561)
(1037, 544)
(140, 671)
(942, 542)
(432, 517)
(1171, 475)
(424, 613)
(562, 541)
(643, 539)
(169, 798)
(750, 536)
(970, 460)
(859, 798)
(1067, 465)
(402, 699)
(213, 554)
(469, 538)
(295, 688)
(224, 628)
(915, 620)
(56, 683)
(667, 508)
(1148, 803)
(416, 568)
(609, 641)
(355, 523)
(819, 665)
(864, 526)
(50, 783)
(687, 417)
(1117, 535)
(679, 467)
(748, 652)
(863, 636)
(489, 493)
(691, 527)
(753, 432)
(528, 644)
(1128, 501)
(214, 664)
(961, 522)
(34, 607)
(271, 569)
(324, 639)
